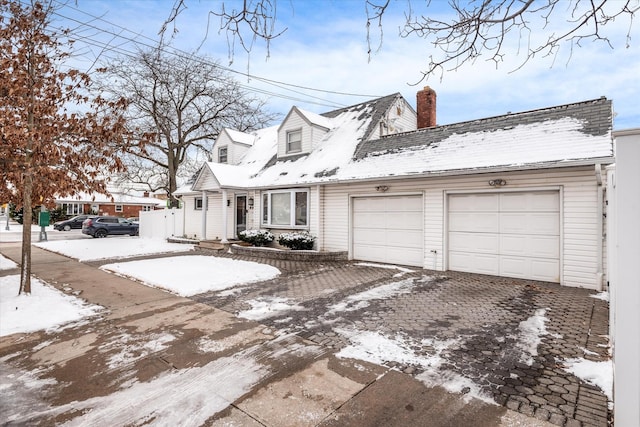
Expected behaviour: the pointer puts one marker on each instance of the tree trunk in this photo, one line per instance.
(25, 266)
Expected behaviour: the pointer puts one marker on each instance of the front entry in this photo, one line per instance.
(241, 214)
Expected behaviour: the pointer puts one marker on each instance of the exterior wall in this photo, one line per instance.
(579, 214)
(192, 217)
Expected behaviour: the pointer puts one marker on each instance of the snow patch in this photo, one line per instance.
(46, 308)
(599, 374)
(265, 307)
(191, 275)
(530, 332)
(112, 247)
(6, 263)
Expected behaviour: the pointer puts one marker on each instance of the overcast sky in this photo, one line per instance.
(325, 48)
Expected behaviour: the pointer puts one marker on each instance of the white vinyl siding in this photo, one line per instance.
(579, 239)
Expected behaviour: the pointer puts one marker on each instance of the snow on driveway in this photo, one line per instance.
(112, 247)
(6, 263)
(194, 274)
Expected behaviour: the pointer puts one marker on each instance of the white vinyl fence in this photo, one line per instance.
(162, 223)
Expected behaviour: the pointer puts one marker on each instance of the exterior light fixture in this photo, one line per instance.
(228, 202)
(382, 188)
(250, 201)
(497, 182)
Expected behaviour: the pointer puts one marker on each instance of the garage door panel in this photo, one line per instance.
(474, 263)
(530, 202)
(530, 223)
(473, 203)
(530, 268)
(532, 245)
(474, 242)
(482, 222)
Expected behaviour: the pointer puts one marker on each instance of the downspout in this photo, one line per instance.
(320, 212)
(203, 219)
(224, 216)
(599, 227)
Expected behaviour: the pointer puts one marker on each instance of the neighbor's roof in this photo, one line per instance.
(566, 135)
(118, 198)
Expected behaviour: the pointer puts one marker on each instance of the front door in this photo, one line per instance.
(241, 214)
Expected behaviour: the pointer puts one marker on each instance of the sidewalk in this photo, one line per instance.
(158, 359)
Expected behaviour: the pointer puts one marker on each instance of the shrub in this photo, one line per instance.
(256, 237)
(297, 240)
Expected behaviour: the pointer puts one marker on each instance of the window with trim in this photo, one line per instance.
(222, 155)
(294, 141)
(118, 208)
(285, 208)
(73, 208)
(147, 208)
(198, 204)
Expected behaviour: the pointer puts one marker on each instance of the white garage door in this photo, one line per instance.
(506, 234)
(388, 229)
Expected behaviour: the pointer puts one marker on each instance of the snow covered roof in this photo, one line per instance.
(567, 135)
(241, 137)
(118, 198)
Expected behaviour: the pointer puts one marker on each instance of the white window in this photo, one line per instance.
(147, 208)
(118, 208)
(73, 208)
(222, 155)
(285, 208)
(294, 141)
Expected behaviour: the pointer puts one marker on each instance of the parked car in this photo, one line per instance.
(134, 219)
(68, 224)
(102, 226)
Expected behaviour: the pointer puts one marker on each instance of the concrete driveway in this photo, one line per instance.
(337, 344)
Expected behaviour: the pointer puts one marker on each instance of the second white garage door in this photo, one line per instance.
(506, 234)
(388, 229)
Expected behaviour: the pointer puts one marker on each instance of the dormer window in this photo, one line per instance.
(294, 141)
(222, 155)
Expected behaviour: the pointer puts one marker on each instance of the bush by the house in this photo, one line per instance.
(297, 240)
(256, 237)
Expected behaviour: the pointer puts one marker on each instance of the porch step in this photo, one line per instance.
(211, 245)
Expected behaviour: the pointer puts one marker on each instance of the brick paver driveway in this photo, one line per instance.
(507, 339)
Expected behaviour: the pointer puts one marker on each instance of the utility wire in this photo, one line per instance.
(92, 41)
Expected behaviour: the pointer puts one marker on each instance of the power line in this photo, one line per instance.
(92, 41)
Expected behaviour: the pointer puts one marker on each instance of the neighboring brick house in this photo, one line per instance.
(119, 204)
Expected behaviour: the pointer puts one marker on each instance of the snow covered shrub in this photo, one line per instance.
(256, 237)
(297, 240)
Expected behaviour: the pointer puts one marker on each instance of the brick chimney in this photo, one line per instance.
(426, 106)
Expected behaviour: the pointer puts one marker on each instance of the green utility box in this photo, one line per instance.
(44, 218)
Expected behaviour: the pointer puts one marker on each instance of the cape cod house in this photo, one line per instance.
(518, 195)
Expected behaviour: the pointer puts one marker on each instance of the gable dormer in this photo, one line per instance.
(398, 117)
(231, 145)
(301, 132)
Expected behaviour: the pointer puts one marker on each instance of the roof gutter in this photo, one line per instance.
(436, 174)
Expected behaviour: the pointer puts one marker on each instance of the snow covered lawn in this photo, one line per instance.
(112, 247)
(46, 307)
(191, 275)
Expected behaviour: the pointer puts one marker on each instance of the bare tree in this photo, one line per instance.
(184, 101)
(56, 141)
(477, 28)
